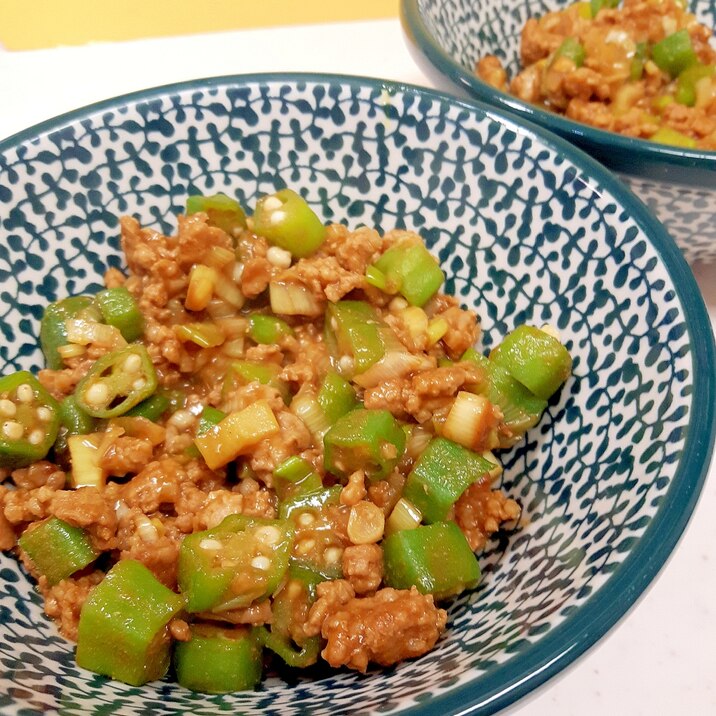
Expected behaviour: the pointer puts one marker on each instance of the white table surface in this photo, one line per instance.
(661, 658)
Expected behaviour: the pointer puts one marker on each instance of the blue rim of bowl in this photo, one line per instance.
(617, 144)
(523, 673)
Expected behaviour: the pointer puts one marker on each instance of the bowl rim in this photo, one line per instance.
(540, 661)
(642, 150)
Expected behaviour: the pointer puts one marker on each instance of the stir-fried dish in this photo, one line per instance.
(646, 69)
(270, 440)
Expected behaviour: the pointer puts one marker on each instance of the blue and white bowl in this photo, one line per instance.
(447, 37)
(527, 228)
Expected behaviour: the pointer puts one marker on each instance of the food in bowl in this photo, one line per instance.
(644, 70)
(271, 435)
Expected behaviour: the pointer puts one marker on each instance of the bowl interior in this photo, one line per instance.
(527, 229)
(468, 30)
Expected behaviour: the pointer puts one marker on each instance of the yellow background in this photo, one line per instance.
(33, 24)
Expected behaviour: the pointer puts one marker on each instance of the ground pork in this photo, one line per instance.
(363, 567)
(126, 455)
(89, 508)
(423, 394)
(64, 600)
(386, 628)
(479, 512)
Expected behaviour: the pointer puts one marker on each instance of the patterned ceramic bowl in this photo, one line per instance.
(447, 37)
(527, 228)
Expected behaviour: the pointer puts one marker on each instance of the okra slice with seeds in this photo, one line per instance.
(117, 382)
(29, 420)
(286, 220)
(242, 560)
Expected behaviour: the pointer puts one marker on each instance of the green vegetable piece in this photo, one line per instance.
(294, 477)
(117, 382)
(285, 219)
(436, 558)
(686, 84)
(636, 71)
(57, 549)
(30, 420)
(355, 329)
(336, 397)
(411, 270)
(666, 135)
(268, 329)
(597, 5)
(219, 660)
(674, 53)
(319, 529)
(243, 372)
(234, 564)
(75, 420)
(573, 50)
(441, 474)
(123, 629)
(119, 309)
(223, 211)
(295, 598)
(152, 408)
(521, 409)
(293, 507)
(53, 331)
(534, 358)
(370, 440)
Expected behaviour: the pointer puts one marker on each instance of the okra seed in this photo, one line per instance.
(398, 304)
(139, 384)
(97, 394)
(262, 563)
(345, 363)
(36, 437)
(44, 414)
(25, 393)
(7, 408)
(278, 216)
(278, 257)
(551, 331)
(210, 544)
(306, 545)
(333, 555)
(182, 419)
(306, 519)
(271, 203)
(12, 430)
(132, 363)
(267, 535)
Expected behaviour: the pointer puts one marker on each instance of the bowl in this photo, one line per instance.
(527, 228)
(447, 37)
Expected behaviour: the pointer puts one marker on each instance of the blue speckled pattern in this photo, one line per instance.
(449, 36)
(526, 229)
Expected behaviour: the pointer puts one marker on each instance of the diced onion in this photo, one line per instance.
(86, 332)
(405, 516)
(306, 407)
(469, 420)
(393, 365)
(293, 299)
(497, 469)
(229, 291)
(202, 280)
(219, 256)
